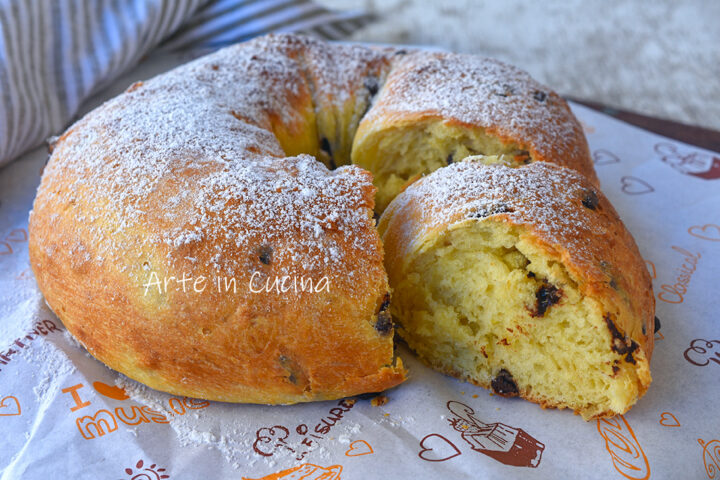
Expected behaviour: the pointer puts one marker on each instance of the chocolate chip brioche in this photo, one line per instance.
(523, 280)
(231, 173)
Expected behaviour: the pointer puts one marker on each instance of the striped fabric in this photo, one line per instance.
(56, 53)
(225, 22)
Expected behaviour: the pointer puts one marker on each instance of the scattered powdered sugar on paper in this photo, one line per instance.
(232, 435)
(52, 366)
(29, 330)
(232, 438)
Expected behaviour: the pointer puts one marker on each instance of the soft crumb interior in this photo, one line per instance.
(469, 305)
(400, 155)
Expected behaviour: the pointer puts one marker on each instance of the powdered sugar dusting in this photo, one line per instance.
(481, 92)
(188, 165)
(544, 197)
(190, 158)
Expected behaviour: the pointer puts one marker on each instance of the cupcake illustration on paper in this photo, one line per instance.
(696, 164)
(506, 444)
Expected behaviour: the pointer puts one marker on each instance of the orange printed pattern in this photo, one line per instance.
(667, 419)
(79, 403)
(102, 423)
(359, 448)
(106, 421)
(711, 457)
(709, 231)
(675, 292)
(306, 471)
(9, 406)
(17, 235)
(116, 393)
(627, 455)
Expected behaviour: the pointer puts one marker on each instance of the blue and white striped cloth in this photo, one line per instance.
(56, 53)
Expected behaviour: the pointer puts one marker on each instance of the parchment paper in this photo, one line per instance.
(65, 415)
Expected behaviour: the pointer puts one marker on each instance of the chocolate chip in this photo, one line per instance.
(590, 199)
(539, 96)
(401, 52)
(613, 284)
(449, 159)
(371, 83)
(384, 324)
(629, 357)
(545, 297)
(522, 157)
(265, 254)
(611, 326)
(504, 384)
(621, 344)
(616, 369)
(644, 330)
(325, 147)
(289, 365)
(657, 324)
(531, 275)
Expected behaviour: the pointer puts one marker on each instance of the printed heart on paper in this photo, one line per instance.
(116, 393)
(5, 248)
(635, 186)
(9, 406)
(17, 235)
(667, 419)
(358, 448)
(605, 157)
(436, 448)
(706, 232)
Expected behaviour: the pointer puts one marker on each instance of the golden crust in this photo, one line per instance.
(481, 93)
(185, 174)
(562, 213)
(193, 172)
